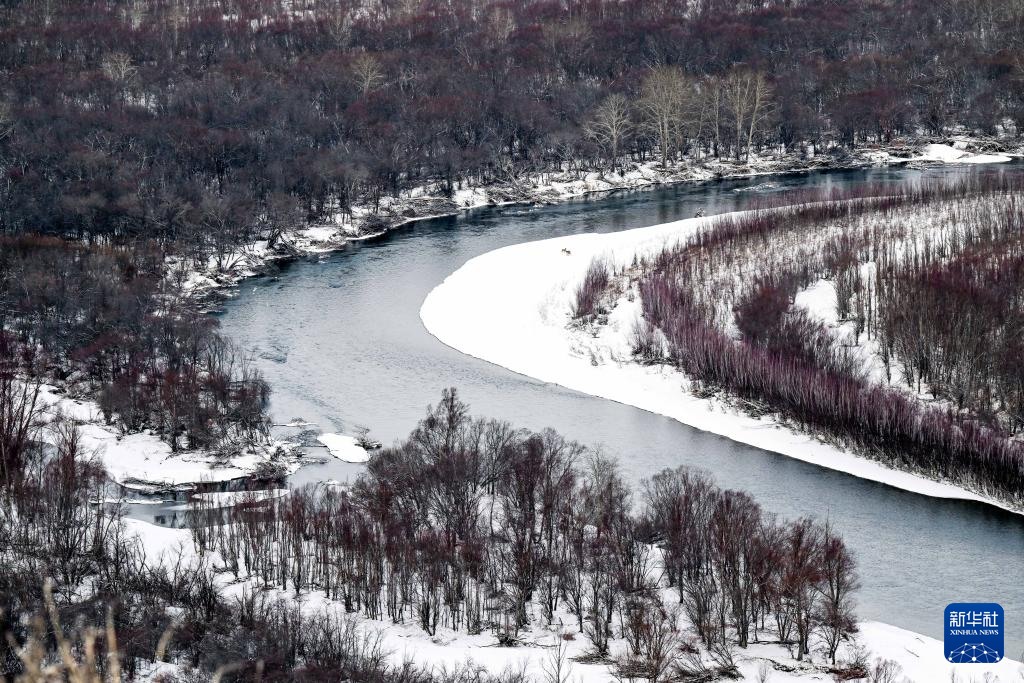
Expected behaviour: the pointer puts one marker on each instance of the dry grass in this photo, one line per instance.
(78, 656)
(78, 659)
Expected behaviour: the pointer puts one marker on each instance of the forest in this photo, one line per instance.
(104, 323)
(204, 123)
(469, 524)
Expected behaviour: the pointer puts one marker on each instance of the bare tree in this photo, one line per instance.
(654, 631)
(557, 668)
(569, 43)
(610, 125)
(838, 583)
(6, 120)
(225, 219)
(748, 98)
(761, 107)
(19, 413)
(120, 70)
(661, 104)
(367, 72)
(339, 25)
(800, 578)
(734, 532)
(885, 671)
(501, 23)
(118, 67)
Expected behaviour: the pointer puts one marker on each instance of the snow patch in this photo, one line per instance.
(947, 154)
(819, 300)
(344, 447)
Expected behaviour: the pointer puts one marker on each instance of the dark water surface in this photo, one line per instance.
(341, 344)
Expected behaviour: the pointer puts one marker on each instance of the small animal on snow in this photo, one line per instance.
(566, 251)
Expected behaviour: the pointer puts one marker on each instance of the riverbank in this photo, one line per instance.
(212, 281)
(919, 658)
(512, 307)
(141, 463)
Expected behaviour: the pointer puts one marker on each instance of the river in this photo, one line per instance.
(341, 343)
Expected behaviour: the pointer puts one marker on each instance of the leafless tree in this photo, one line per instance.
(838, 584)
(610, 126)
(556, 667)
(120, 70)
(19, 410)
(801, 577)
(661, 104)
(367, 72)
(6, 119)
(885, 671)
(748, 98)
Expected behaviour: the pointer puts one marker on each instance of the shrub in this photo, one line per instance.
(590, 292)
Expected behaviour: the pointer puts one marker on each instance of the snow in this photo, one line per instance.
(923, 659)
(948, 154)
(920, 657)
(512, 306)
(321, 233)
(344, 447)
(161, 543)
(142, 460)
(820, 301)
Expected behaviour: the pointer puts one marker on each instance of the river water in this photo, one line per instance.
(341, 343)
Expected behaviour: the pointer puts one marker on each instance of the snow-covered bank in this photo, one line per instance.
(217, 277)
(143, 462)
(512, 307)
(954, 154)
(920, 658)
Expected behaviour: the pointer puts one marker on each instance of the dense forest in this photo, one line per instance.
(203, 122)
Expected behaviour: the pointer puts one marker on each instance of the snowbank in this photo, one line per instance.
(162, 543)
(142, 461)
(344, 447)
(819, 300)
(923, 659)
(511, 307)
(947, 154)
